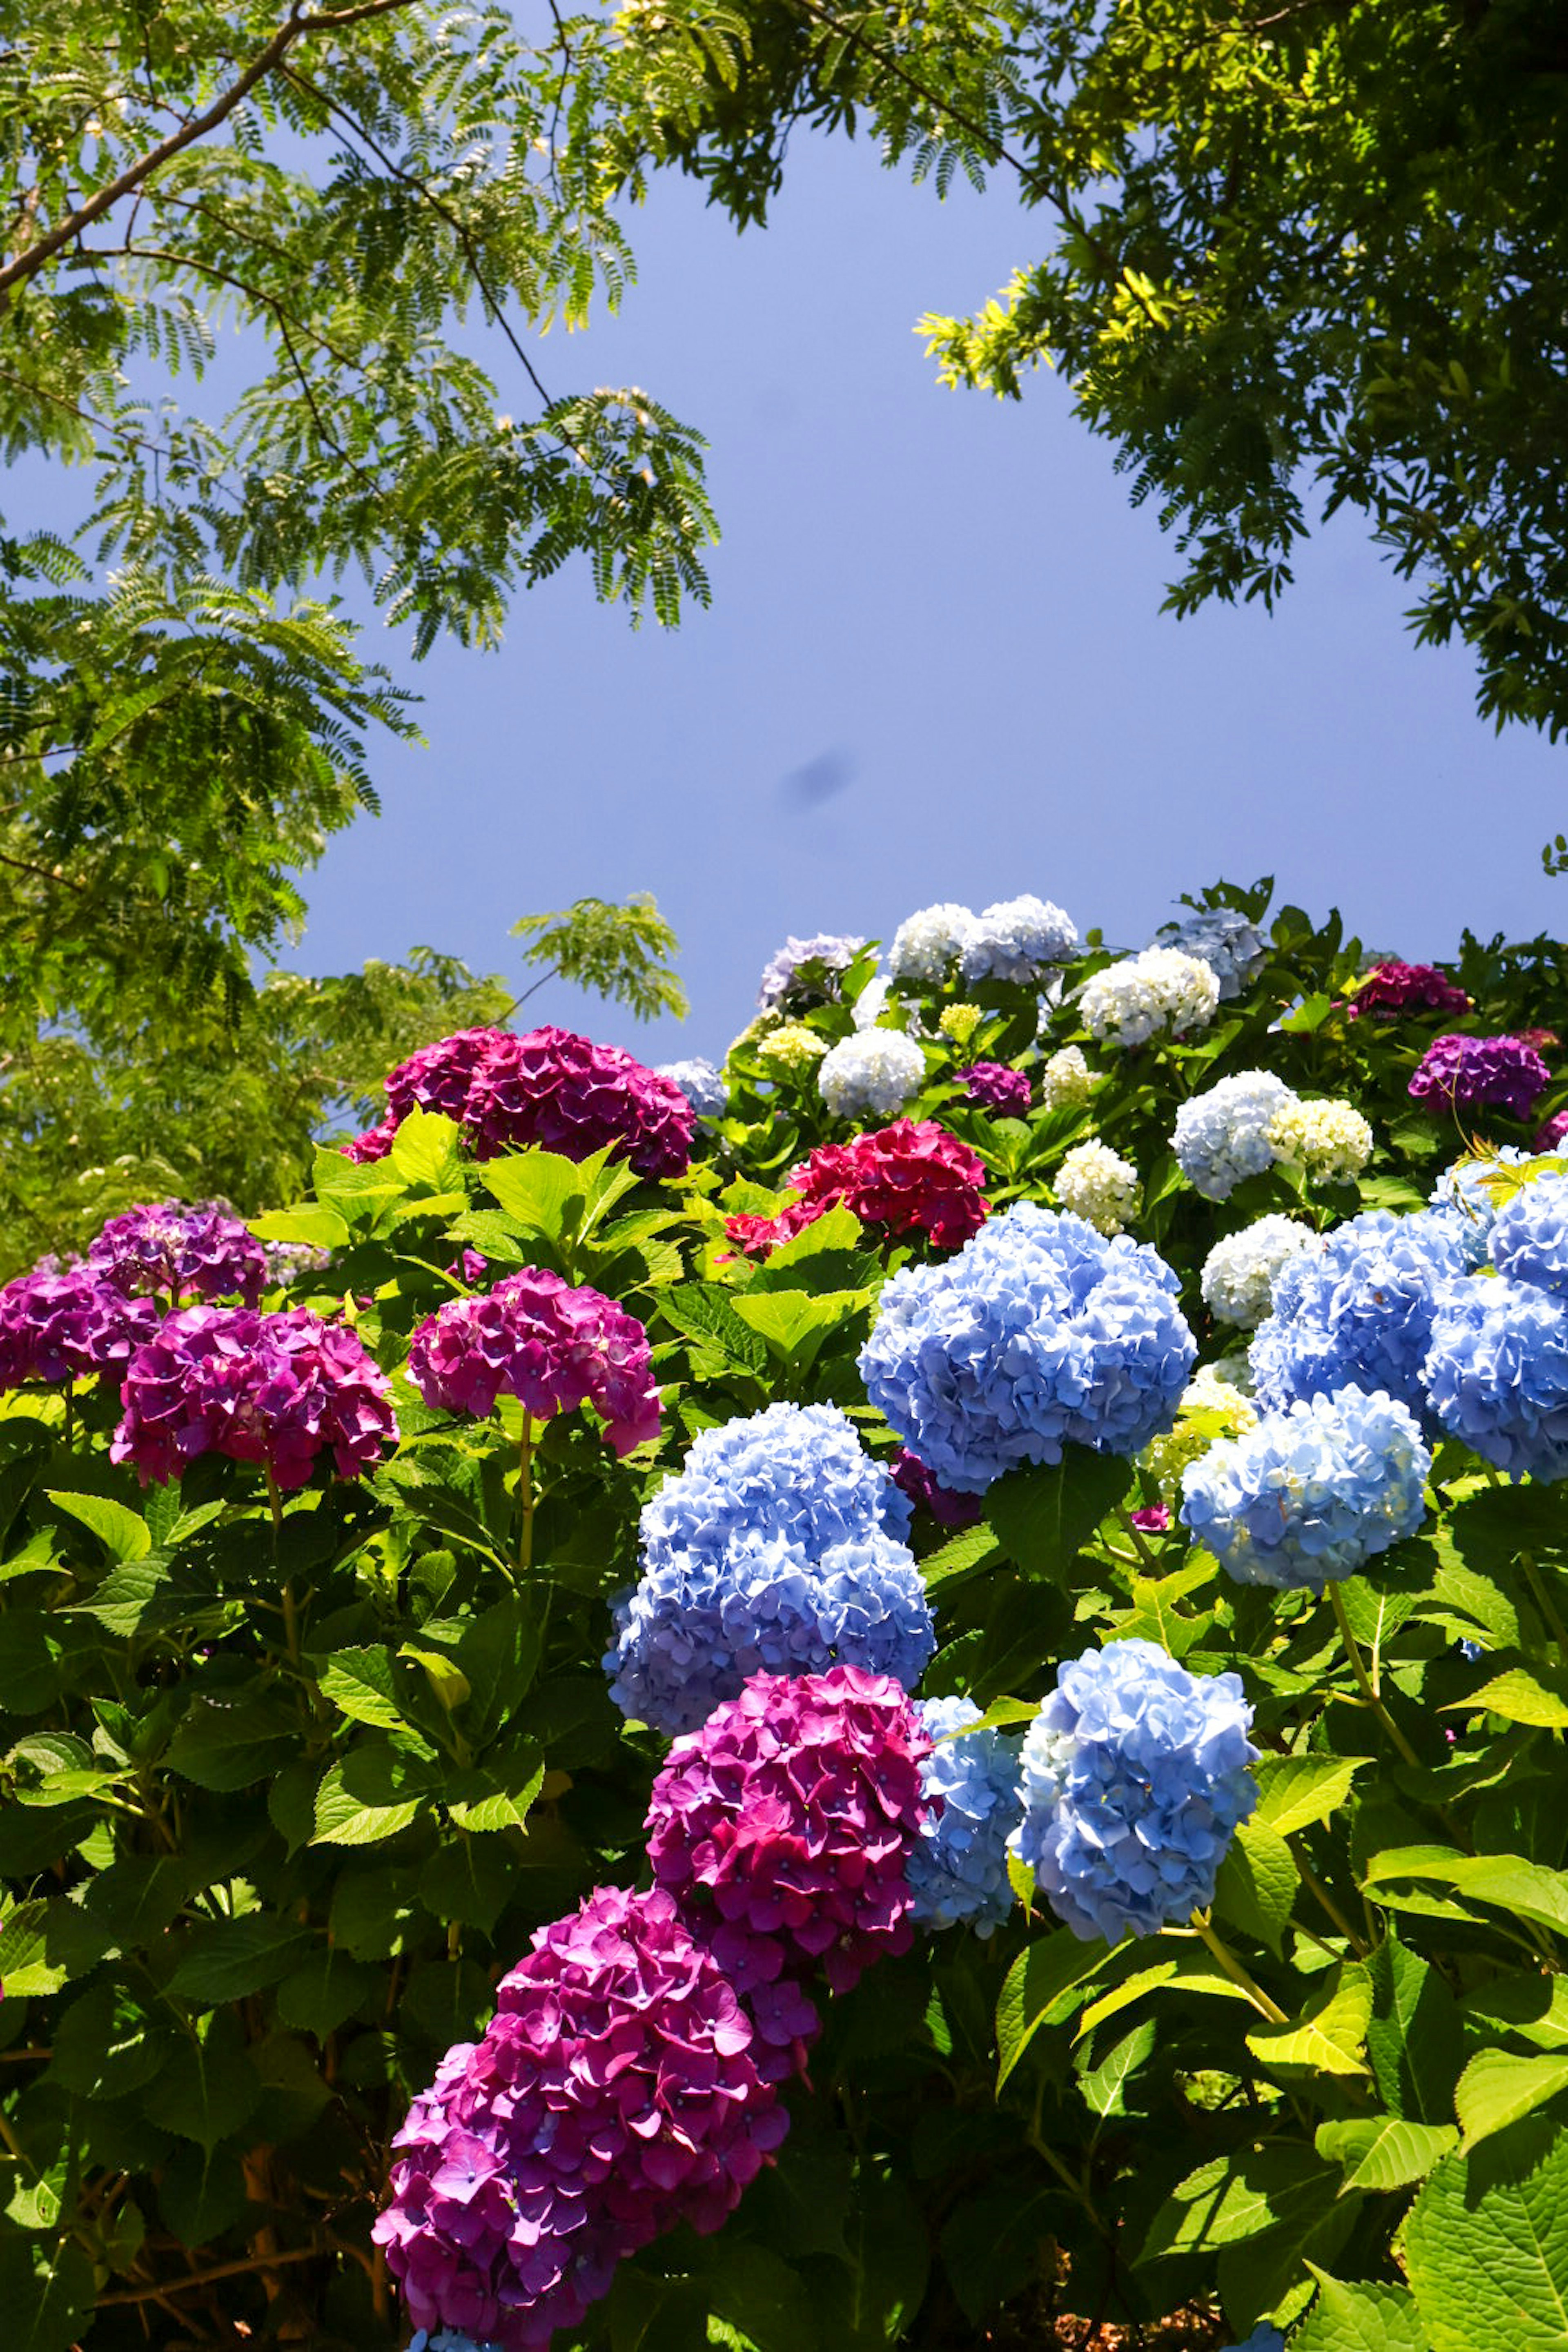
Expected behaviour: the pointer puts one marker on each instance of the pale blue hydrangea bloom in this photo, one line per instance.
(1135, 1774)
(876, 1070)
(1240, 1271)
(702, 1084)
(926, 944)
(1233, 949)
(833, 952)
(1264, 2337)
(1496, 1373)
(1307, 1495)
(1016, 939)
(1355, 1310)
(778, 1547)
(1039, 1332)
(1529, 1234)
(1463, 1191)
(958, 1872)
(1222, 1136)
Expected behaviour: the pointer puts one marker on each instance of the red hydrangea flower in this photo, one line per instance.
(949, 1510)
(796, 1809)
(996, 1087)
(181, 1254)
(548, 1087)
(275, 1388)
(60, 1326)
(1458, 1073)
(1553, 1133)
(1391, 988)
(550, 1346)
(615, 2094)
(911, 1177)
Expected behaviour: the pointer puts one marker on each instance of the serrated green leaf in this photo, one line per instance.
(1329, 2037)
(1361, 2318)
(1485, 2248)
(1043, 1517)
(123, 1533)
(1521, 1695)
(1384, 2152)
(1497, 2088)
(1293, 1792)
(1258, 1884)
(1104, 2086)
(359, 1683)
(1042, 1971)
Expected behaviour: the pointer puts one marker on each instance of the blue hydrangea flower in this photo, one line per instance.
(1263, 2338)
(1016, 939)
(1233, 949)
(1465, 1194)
(1312, 1494)
(1496, 1373)
(1222, 1136)
(703, 1086)
(958, 1872)
(1038, 1333)
(1355, 1310)
(777, 1548)
(1135, 1775)
(833, 953)
(1529, 1234)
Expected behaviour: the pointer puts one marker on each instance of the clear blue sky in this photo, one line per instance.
(934, 665)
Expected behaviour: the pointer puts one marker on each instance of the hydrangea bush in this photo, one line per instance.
(572, 1779)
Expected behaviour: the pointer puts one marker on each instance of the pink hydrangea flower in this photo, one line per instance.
(615, 2094)
(794, 1811)
(274, 1389)
(57, 1326)
(553, 1348)
(548, 1087)
(996, 1087)
(181, 1254)
(1391, 988)
(1458, 1073)
(1554, 1132)
(1155, 1520)
(913, 1177)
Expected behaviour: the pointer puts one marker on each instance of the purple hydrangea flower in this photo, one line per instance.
(779, 985)
(927, 1493)
(275, 1388)
(549, 1345)
(181, 1254)
(1458, 1073)
(1553, 1133)
(996, 1087)
(57, 1327)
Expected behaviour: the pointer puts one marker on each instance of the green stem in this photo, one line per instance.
(67, 1393)
(525, 1494)
(1145, 1554)
(1544, 1601)
(1369, 1688)
(1321, 1895)
(1237, 1973)
(290, 1615)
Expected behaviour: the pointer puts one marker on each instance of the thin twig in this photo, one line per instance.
(219, 2270)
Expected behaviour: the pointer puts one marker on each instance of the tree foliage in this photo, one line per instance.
(620, 953)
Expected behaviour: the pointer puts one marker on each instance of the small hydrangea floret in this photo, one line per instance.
(996, 1087)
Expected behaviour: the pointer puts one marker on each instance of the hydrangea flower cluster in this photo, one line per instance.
(1529, 1234)
(1231, 945)
(1098, 1185)
(912, 1478)
(1039, 1333)
(1391, 988)
(1135, 1775)
(912, 1177)
(548, 1087)
(796, 1809)
(1458, 1073)
(1554, 1134)
(181, 1254)
(926, 944)
(286, 1261)
(996, 1087)
(549, 1345)
(614, 2093)
(704, 1086)
(1330, 1140)
(1213, 1407)
(1015, 940)
(1161, 988)
(876, 1070)
(275, 1388)
(960, 1022)
(1312, 1494)
(1240, 1271)
(1355, 1310)
(1496, 1373)
(1222, 1136)
(57, 1327)
(958, 1871)
(1463, 1196)
(779, 984)
(789, 1051)
(777, 1548)
(1067, 1080)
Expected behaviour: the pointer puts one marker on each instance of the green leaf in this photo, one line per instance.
(314, 1223)
(328, 1990)
(1040, 1974)
(227, 1960)
(1258, 1884)
(1293, 1792)
(1361, 2318)
(1414, 2038)
(1521, 1695)
(972, 1548)
(761, 2294)
(1384, 2152)
(501, 1795)
(545, 1193)
(359, 1682)
(794, 1324)
(123, 1533)
(109, 2043)
(370, 1795)
(1104, 2086)
(1266, 2185)
(1043, 1517)
(1190, 1970)
(425, 1151)
(226, 1744)
(27, 1964)
(468, 1881)
(208, 2086)
(1330, 2036)
(1506, 1880)
(703, 1311)
(1497, 2088)
(46, 2291)
(1485, 2248)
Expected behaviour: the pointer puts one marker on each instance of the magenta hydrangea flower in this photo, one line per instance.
(1458, 1073)
(553, 1348)
(794, 1811)
(910, 1475)
(275, 1388)
(57, 1326)
(1391, 988)
(994, 1086)
(181, 1254)
(1554, 1134)
(548, 1087)
(615, 2094)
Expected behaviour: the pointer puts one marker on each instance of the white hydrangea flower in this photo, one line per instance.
(1017, 938)
(791, 1049)
(704, 1086)
(1222, 1136)
(871, 1002)
(1330, 1140)
(1098, 1185)
(1161, 988)
(1067, 1080)
(925, 944)
(1212, 1408)
(1238, 1272)
(876, 1070)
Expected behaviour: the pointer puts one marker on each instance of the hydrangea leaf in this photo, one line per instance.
(1044, 1516)
(1267, 2186)
(1414, 2038)
(1329, 2038)
(227, 1960)
(1522, 1695)
(1257, 1883)
(1383, 2152)
(1104, 2086)
(1041, 1973)
(1497, 2088)
(124, 1534)
(1360, 2318)
(1293, 1792)
(1486, 2246)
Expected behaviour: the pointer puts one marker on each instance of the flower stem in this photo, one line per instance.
(68, 1392)
(1544, 1601)
(525, 1494)
(1145, 1554)
(290, 1615)
(1237, 1973)
(1369, 1688)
